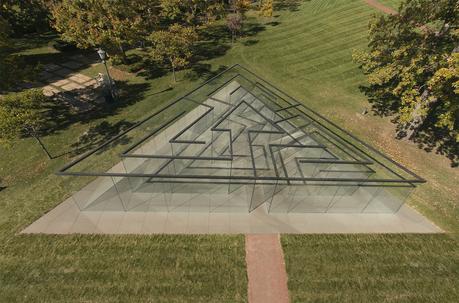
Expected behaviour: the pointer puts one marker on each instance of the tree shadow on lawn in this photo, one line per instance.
(428, 139)
(288, 5)
(250, 42)
(203, 71)
(32, 41)
(86, 58)
(435, 140)
(152, 69)
(96, 135)
(273, 23)
(60, 116)
(215, 41)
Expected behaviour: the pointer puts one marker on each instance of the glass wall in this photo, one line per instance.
(234, 144)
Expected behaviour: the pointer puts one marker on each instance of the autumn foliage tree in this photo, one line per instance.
(173, 46)
(110, 24)
(412, 68)
(266, 8)
(25, 16)
(22, 114)
(191, 12)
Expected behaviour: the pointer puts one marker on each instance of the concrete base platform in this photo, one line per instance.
(66, 218)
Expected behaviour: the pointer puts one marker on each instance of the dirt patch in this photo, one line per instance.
(120, 75)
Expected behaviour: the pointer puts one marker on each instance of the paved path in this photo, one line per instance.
(66, 218)
(266, 269)
(381, 7)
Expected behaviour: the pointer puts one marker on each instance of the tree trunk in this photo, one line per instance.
(418, 120)
(123, 53)
(173, 73)
(42, 146)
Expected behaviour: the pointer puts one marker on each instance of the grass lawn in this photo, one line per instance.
(391, 3)
(372, 268)
(306, 51)
(123, 269)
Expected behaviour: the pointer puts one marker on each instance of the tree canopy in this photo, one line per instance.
(266, 8)
(173, 45)
(22, 114)
(106, 23)
(234, 24)
(191, 12)
(25, 17)
(412, 68)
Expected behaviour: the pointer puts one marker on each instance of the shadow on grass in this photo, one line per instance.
(99, 134)
(203, 71)
(435, 140)
(215, 41)
(288, 5)
(428, 138)
(250, 42)
(273, 23)
(61, 115)
(32, 41)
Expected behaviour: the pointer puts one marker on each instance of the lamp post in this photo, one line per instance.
(103, 55)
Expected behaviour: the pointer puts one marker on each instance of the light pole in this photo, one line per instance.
(103, 55)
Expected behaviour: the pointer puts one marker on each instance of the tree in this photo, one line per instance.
(22, 114)
(266, 8)
(445, 86)
(234, 24)
(173, 45)
(240, 6)
(411, 67)
(106, 23)
(191, 12)
(25, 17)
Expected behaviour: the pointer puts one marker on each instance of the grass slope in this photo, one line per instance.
(307, 52)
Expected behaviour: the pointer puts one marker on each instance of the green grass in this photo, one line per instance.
(123, 269)
(307, 53)
(372, 268)
(391, 3)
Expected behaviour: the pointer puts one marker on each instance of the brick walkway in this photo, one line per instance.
(65, 84)
(266, 269)
(381, 7)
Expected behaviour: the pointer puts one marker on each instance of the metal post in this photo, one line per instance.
(109, 80)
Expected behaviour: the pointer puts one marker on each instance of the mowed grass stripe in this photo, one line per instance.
(297, 23)
(317, 45)
(377, 268)
(325, 52)
(306, 16)
(116, 268)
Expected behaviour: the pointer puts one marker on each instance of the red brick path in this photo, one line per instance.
(266, 269)
(381, 7)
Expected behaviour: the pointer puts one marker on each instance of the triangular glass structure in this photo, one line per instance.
(233, 144)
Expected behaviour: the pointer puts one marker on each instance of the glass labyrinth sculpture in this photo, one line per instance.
(233, 144)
